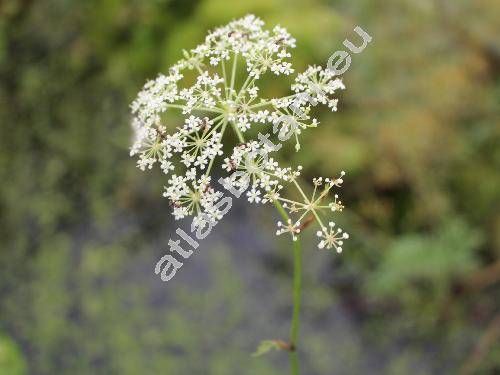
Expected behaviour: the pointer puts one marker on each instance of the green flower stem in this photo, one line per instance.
(233, 73)
(297, 281)
(206, 109)
(238, 132)
(297, 290)
(209, 168)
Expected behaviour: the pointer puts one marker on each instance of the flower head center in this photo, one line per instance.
(195, 196)
(230, 108)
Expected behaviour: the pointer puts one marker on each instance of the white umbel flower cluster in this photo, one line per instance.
(331, 237)
(267, 180)
(215, 89)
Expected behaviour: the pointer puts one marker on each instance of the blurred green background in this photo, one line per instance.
(418, 131)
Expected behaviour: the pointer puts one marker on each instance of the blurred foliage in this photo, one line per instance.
(417, 130)
(439, 258)
(11, 359)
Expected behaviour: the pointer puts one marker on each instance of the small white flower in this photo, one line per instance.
(331, 237)
(289, 227)
(254, 195)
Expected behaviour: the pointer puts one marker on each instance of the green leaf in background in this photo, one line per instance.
(437, 259)
(12, 361)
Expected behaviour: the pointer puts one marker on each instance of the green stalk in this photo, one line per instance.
(297, 292)
(297, 289)
(297, 281)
